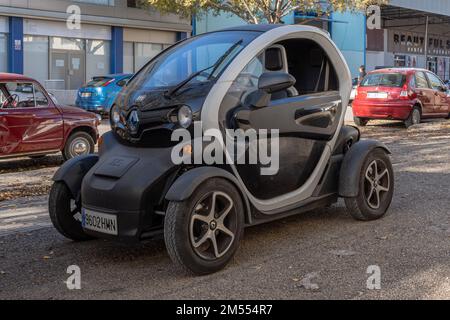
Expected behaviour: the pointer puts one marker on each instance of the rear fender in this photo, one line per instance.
(352, 166)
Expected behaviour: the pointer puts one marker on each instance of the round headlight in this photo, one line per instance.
(185, 117)
(115, 115)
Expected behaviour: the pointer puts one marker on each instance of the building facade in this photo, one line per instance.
(114, 37)
(414, 33)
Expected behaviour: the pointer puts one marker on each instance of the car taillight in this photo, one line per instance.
(405, 94)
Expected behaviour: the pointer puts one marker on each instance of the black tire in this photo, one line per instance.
(363, 207)
(180, 228)
(63, 216)
(81, 137)
(414, 118)
(360, 122)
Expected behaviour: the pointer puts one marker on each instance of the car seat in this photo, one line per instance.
(275, 60)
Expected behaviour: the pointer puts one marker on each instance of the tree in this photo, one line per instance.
(256, 11)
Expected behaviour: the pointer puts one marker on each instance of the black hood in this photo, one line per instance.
(156, 111)
(148, 100)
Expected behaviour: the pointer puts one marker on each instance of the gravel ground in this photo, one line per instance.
(318, 255)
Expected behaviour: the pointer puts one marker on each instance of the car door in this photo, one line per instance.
(17, 116)
(425, 94)
(33, 123)
(441, 101)
(47, 130)
(305, 124)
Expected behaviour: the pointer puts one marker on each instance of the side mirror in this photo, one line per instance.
(272, 82)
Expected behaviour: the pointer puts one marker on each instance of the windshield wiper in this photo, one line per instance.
(215, 66)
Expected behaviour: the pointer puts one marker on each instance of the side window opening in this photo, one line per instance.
(310, 66)
(421, 80)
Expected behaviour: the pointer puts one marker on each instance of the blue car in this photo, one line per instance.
(99, 94)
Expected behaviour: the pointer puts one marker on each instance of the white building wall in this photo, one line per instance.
(59, 29)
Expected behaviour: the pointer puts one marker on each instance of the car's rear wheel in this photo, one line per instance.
(414, 118)
(79, 144)
(65, 213)
(202, 234)
(376, 188)
(360, 122)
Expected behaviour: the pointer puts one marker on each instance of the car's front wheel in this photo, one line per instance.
(376, 188)
(202, 234)
(65, 213)
(79, 144)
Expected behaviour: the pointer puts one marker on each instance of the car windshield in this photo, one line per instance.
(191, 56)
(384, 80)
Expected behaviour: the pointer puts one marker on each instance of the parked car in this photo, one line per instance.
(263, 77)
(406, 94)
(98, 95)
(354, 89)
(33, 124)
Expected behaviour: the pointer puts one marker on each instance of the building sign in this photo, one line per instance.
(17, 45)
(414, 43)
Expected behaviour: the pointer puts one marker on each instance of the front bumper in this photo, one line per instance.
(390, 111)
(129, 183)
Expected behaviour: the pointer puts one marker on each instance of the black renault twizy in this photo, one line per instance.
(290, 85)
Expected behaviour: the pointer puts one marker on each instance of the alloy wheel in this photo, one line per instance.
(377, 183)
(213, 226)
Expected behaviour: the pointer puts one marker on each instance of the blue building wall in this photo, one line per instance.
(348, 31)
(116, 50)
(15, 45)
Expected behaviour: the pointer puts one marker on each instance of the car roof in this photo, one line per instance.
(254, 27)
(399, 70)
(14, 77)
(115, 75)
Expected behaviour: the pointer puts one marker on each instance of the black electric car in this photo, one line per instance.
(291, 80)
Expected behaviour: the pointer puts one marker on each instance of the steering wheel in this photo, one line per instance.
(12, 100)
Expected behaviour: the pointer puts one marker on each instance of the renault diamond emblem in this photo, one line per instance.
(133, 121)
(141, 98)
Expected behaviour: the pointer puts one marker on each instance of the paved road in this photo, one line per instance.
(321, 254)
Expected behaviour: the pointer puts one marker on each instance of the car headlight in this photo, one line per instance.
(185, 117)
(115, 116)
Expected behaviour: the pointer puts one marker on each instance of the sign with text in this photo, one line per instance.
(411, 42)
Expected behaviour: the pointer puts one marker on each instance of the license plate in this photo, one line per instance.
(100, 222)
(377, 95)
(86, 94)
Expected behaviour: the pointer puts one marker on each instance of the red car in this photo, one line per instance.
(33, 124)
(406, 94)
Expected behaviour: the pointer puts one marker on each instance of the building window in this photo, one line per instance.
(137, 55)
(97, 58)
(36, 58)
(3, 53)
(128, 57)
(144, 52)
